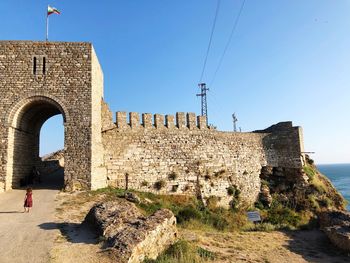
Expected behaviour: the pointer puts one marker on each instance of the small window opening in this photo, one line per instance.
(34, 66)
(44, 65)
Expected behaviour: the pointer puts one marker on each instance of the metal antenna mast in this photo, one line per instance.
(234, 119)
(203, 96)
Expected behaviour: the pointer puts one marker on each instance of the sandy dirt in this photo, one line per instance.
(76, 242)
(28, 237)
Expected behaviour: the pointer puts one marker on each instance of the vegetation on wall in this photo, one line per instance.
(296, 197)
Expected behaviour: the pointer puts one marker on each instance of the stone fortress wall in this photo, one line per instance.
(162, 154)
(181, 155)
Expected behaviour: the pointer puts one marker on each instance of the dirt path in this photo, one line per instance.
(28, 237)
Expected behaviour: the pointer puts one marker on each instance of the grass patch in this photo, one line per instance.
(189, 211)
(310, 172)
(183, 252)
(263, 227)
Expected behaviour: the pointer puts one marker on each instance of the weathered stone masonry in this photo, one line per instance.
(163, 154)
(189, 158)
(37, 81)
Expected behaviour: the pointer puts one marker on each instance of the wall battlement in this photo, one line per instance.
(181, 120)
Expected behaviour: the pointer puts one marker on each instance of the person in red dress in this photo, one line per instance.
(28, 200)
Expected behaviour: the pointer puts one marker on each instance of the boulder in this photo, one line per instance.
(130, 236)
(336, 225)
(109, 217)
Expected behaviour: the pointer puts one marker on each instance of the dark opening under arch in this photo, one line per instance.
(24, 137)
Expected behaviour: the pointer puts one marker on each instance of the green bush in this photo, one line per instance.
(187, 213)
(278, 214)
(231, 190)
(159, 184)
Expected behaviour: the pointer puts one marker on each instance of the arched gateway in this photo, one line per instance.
(37, 81)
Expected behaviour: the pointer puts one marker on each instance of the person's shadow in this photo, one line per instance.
(11, 212)
(73, 232)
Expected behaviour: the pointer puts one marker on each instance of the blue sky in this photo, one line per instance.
(288, 60)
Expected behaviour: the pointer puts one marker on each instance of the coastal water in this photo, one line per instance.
(339, 174)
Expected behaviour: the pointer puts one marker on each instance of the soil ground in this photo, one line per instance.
(29, 237)
(52, 232)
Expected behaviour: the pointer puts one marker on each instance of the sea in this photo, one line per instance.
(339, 174)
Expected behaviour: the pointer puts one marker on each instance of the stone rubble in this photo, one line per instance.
(130, 236)
(336, 225)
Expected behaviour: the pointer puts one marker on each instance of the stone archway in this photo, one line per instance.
(40, 80)
(25, 122)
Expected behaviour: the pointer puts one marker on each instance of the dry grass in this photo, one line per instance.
(252, 246)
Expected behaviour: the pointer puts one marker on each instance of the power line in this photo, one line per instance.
(210, 39)
(228, 42)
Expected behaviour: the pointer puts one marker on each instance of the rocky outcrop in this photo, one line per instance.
(336, 225)
(303, 189)
(131, 236)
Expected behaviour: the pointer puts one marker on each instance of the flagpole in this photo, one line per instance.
(47, 25)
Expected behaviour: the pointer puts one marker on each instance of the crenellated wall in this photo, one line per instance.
(158, 121)
(181, 155)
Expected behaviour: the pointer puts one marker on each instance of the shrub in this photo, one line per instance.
(159, 184)
(231, 190)
(278, 214)
(187, 213)
(325, 202)
(235, 193)
(144, 183)
(219, 222)
(207, 177)
(212, 202)
(206, 254)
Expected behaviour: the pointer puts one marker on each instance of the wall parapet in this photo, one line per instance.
(181, 120)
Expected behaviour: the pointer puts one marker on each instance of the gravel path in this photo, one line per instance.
(28, 237)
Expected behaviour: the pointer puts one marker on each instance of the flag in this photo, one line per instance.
(52, 10)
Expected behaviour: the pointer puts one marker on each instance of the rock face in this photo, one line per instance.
(131, 236)
(336, 225)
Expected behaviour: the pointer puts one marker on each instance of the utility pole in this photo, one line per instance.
(203, 96)
(234, 120)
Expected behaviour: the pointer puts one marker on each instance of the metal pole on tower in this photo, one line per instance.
(47, 25)
(203, 95)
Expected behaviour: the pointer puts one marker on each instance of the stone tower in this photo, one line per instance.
(37, 81)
